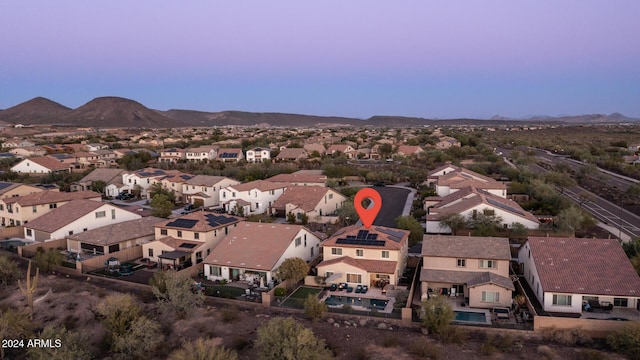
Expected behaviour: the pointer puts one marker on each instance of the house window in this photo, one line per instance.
(336, 251)
(113, 214)
(163, 231)
(196, 235)
(385, 254)
(198, 257)
(489, 212)
(53, 206)
(330, 196)
(70, 232)
(179, 233)
(462, 263)
(215, 271)
(354, 278)
(328, 273)
(100, 214)
(359, 252)
(298, 241)
(491, 296)
(621, 302)
(29, 232)
(35, 209)
(150, 252)
(488, 264)
(562, 300)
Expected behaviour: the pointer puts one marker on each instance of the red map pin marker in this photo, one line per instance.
(368, 215)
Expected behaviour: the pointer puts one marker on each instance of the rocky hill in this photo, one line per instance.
(35, 111)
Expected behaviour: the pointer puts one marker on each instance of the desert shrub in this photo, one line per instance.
(74, 345)
(175, 293)
(287, 339)
(423, 348)
(140, 341)
(390, 341)
(626, 340)
(575, 336)
(280, 292)
(591, 354)
(239, 343)
(436, 314)
(313, 308)
(9, 272)
(453, 335)
(504, 343)
(546, 352)
(201, 349)
(229, 314)
(488, 349)
(118, 312)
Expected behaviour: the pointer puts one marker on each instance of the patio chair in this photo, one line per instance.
(350, 289)
(358, 289)
(364, 290)
(333, 287)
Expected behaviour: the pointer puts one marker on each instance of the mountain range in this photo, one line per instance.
(117, 112)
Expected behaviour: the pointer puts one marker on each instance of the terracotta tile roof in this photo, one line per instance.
(304, 197)
(464, 178)
(470, 278)
(292, 153)
(299, 178)
(409, 149)
(206, 221)
(49, 162)
(205, 180)
(440, 168)
(256, 246)
(116, 233)
(64, 215)
(469, 247)
(104, 174)
(371, 266)
(394, 239)
(48, 197)
(262, 185)
(583, 266)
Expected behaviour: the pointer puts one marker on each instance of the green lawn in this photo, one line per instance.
(296, 300)
(229, 292)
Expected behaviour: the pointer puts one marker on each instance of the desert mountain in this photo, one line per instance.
(35, 111)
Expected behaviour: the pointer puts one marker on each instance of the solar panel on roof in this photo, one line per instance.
(218, 220)
(187, 245)
(505, 207)
(362, 234)
(186, 177)
(393, 234)
(183, 223)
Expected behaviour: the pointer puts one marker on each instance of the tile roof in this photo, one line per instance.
(49, 162)
(64, 215)
(583, 266)
(291, 153)
(202, 221)
(470, 247)
(299, 178)
(256, 246)
(471, 278)
(104, 174)
(372, 266)
(304, 197)
(205, 180)
(49, 196)
(394, 239)
(262, 185)
(116, 233)
(176, 244)
(443, 167)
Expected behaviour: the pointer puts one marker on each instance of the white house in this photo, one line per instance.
(173, 155)
(40, 165)
(203, 153)
(460, 178)
(469, 202)
(258, 155)
(256, 250)
(255, 197)
(316, 202)
(74, 217)
(144, 178)
(565, 274)
(204, 190)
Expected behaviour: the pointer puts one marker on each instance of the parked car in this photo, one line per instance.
(124, 196)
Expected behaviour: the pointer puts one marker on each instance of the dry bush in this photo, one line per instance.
(390, 341)
(546, 352)
(453, 335)
(569, 337)
(423, 348)
(230, 314)
(591, 354)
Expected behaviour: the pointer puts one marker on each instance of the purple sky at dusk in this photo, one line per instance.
(422, 58)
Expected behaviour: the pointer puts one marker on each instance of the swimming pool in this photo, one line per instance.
(377, 304)
(468, 316)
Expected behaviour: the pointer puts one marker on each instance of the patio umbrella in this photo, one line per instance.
(261, 282)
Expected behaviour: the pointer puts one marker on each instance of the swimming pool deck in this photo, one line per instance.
(369, 295)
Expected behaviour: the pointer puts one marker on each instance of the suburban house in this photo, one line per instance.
(204, 190)
(291, 154)
(115, 237)
(475, 268)
(19, 210)
(470, 202)
(75, 217)
(203, 153)
(256, 250)
(409, 150)
(258, 155)
(459, 179)
(112, 179)
(107, 158)
(230, 155)
(358, 256)
(28, 151)
(316, 202)
(345, 149)
(84, 159)
(40, 165)
(301, 178)
(310, 148)
(187, 240)
(433, 175)
(254, 197)
(565, 274)
(172, 155)
(96, 147)
(144, 179)
(17, 143)
(173, 183)
(9, 189)
(446, 142)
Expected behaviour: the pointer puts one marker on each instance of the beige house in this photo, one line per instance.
(9, 189)
(16, 211)
(291, 154)
(256, 250)
(174, 184)
(301, 178)
(359, 256)
(473, 268)
(316, 202)
(204, 190)
(115, 237)
(188, 239)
